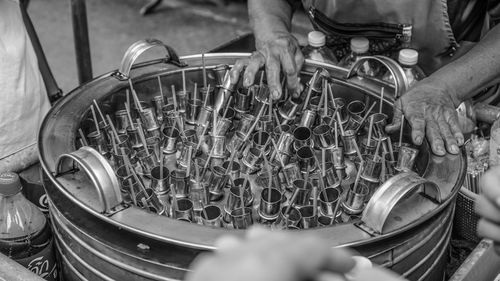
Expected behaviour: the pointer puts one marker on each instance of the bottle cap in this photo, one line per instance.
(316, 38)
(360, 45)
(408, 57)
(10, 184)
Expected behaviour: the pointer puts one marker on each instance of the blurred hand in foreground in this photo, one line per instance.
(279, 256)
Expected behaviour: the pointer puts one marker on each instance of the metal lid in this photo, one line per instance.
(10, 184)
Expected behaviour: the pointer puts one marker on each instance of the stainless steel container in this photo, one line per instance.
(99, 237)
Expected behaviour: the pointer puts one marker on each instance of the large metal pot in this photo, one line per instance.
(406, 226)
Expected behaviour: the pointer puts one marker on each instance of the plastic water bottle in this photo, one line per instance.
(359, 48)
(316, 50)
(408, 59)
(24, 233)
(495, 143)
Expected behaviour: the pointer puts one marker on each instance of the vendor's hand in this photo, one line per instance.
(488, 207)
(278, 256)
(276, 51)
(430, 111)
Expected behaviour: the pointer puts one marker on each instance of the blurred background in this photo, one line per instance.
(189, 26)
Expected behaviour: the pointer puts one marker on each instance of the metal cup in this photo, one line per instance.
(282, 128)
(148, 118)
(266, 123)
(379, 124)
(292, 172)
(355, 199)
(204, 119)
(235, 143)
(223, 126)
(123, 141)
(200, 197)
(262, 179)
(182, 101)
(269, 210)
(218, 146)
(323, 136)
(324, 221)
(354, 122)
(122, 121)
(183, 210)
(372, 167)
(153, 143)
(328, 199)
(331, 178)
(242, 218)
(242, 100)
(340, 104)
(181, 183)
(159, 103)
(253, 157)
(98, 142)
(170, 136)
(406, 158)
(301, 137)
(390, 165)
(337, 156)
(356, 108)
(366, 147)
(293, 217)
(349, 141)
(289, 108)
(245, 124)
(168, 112)
(303, 189)
(134, 138)
(284, 145)
(160, 181)
(308, 118)
(118, 159)
(217, 182)
(149, 201)
(260, 140)
(309, 219)
(234, 172)
(305, 159)
(234, 198)
(191, 136)
(211, 96)
(211, 216)
(183, 159)
(193, 109)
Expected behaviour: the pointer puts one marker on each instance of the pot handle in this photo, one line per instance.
(139, 47)
(391, 193)
(400, 81)
(100, 173)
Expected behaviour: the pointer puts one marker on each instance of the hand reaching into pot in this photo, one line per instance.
(430, 111)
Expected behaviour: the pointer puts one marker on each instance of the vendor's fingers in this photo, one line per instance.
(448, 137)
(490, 183)
(452, 119)
(417, 129)
(290, 69)
(236, 70)
(488, 229)
(487, 209)
(256, 61)
(396, 118)
(273, 76)
(434, 136)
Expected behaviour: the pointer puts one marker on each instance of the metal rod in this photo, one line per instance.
(100, 112)
(82, 42)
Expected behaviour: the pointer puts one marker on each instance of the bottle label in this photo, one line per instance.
(42, 263)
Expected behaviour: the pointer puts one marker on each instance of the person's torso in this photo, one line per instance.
(433, 27)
